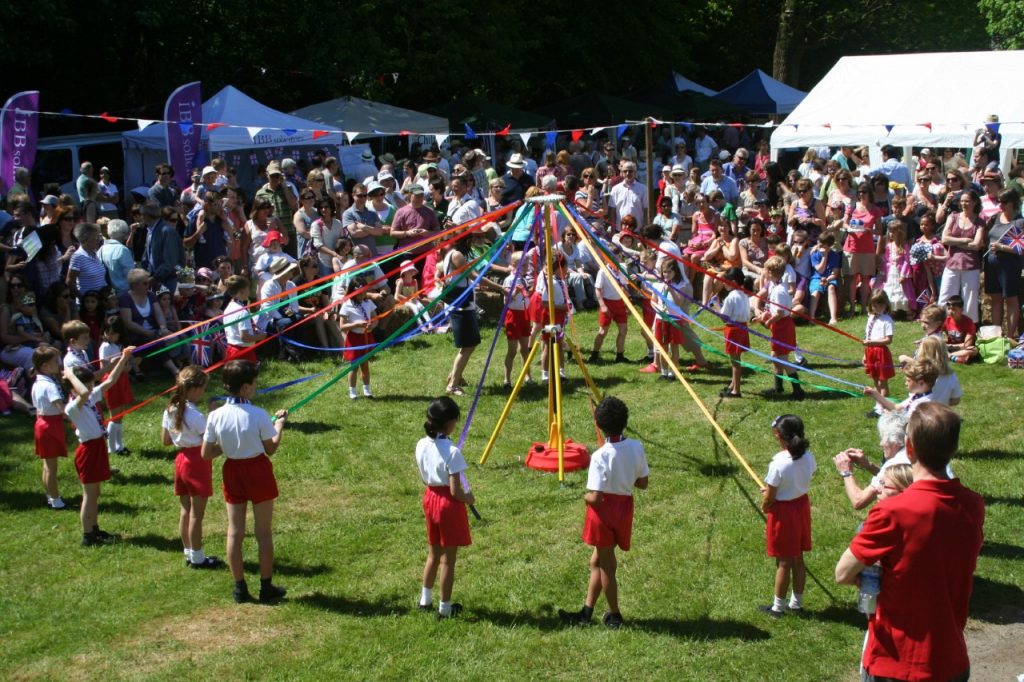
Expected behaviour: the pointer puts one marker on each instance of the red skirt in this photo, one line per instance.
(610, 523)
(736, 335)
(617, 313)
(668, 333)
(92, 461)
(517, 324)
(783, 336)
(789, 527)
(249, 480)
(193, 475)
(51, 439)
(354, 345)
(447, 521)
(240, 353)
(120, 394)
(878, 363)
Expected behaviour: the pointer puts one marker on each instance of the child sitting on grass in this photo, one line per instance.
(961, 332)
(932, 318)
(920, 378)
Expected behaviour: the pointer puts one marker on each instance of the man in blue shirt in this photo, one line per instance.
(892, 168)
(720, 181)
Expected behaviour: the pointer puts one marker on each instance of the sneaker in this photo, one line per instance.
(596, 357)
(770, 610)
(613, 621)
(456, 610)
(575, 618)
(803, 362)
(649, 369)
(798, 392)
(56, 504)
(543, 375)
(272, 594)
(103, 535)
(352, 395)
(561, 372)
(620, 359)
(95, 539)
(241, 595)
(667, 377)
(207, 563)
(367, 392)
(694, 368)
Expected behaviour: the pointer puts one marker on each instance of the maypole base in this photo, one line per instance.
(544, 457)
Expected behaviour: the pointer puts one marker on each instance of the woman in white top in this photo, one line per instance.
(325, 233)
(303, 219)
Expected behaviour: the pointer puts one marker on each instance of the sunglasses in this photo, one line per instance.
(363, 195)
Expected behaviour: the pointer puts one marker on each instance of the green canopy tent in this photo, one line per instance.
(596, 109)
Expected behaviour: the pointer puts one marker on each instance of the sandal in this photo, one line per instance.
(454, 390)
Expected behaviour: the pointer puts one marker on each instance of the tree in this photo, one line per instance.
(1004, 21)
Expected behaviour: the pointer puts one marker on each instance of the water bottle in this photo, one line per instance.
(870, 586)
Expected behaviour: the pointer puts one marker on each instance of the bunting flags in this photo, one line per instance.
(549, 138)
(504, 131)
(470, 134)
(525, 137)
(440, 138)
(350, 136)
(108, 118)
(576, 135)
(210, 127)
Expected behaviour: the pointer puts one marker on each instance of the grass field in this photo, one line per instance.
(350, 539)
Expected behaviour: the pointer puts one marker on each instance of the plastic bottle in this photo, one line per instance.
(870, 586)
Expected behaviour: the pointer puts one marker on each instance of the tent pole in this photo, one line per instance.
(649, 155)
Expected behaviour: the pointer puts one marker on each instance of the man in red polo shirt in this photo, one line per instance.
(926, 541)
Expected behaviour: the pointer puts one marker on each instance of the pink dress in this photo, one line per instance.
(896, 277)
(703, 233)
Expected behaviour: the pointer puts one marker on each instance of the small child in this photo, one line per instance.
(120, 392)
(407, 288)
(826, 265)
(517, 320)
(92, 315)
(356, 321)
(648, 259)
(91, 458)
(239, 324)
(946, 389)
(48, 399)
(541, 315)
(920, 378)
(76, 337)
(178, 355)
(611, 308)
(878, 333)
(931, 319)
(736, 314)
(616, 468)
(670, 327)
(778, 319)
(897, 278)
(961, 332)
(247, 437)
(183, 426)
(789, 512)
(444, 503)
(800, 253)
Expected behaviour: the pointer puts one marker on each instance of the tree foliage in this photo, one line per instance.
(1004, 21)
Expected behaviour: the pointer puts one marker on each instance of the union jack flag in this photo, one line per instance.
(206, 347)
(1014, 238)
(925, 297)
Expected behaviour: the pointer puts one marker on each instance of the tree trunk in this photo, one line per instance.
(789, 44)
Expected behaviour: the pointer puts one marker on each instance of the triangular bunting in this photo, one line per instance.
(928, 126)
(185, 127)
(405, 133)
(145, 123)
(576, 135)
(470, 134)
(108, 118)
(253, 132)
(378, 132)
(888, 128)
(596, 130)
(504, 131)
(317, 134)
(213, 126)
(351, 136)
(737, 126)
(994, 127)
(549, 138)
(827, 126)
(441, 137)
(620, 130)
(289, 131)
(525, 137)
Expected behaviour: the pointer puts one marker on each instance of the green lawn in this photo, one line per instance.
(350, 539)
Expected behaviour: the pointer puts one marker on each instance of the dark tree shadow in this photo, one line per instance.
(718, 470)
(167, 455)
(1001, 550)
(995, 602)
(23, 500)
(152, 541)
(292, 570)
(312, 427)
(394, 605)
(702, 629)
(986, 453)
(145, 479)
(1001, 499)
(546, 622)
(845, 615)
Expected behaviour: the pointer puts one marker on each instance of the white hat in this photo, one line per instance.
(407, 265)
(373, 186)
(678, 168)
(50, 200)
(516, 161)
(209, 169)
(384, 175)
(367, 155)
(724, 155)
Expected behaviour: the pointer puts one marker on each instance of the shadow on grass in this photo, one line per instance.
(987, 453)
(845, 615)
(394, 605)
(292, 570)
(996, 602)
(152, 541)
(167, 454)
(503, 619)
(1002, 499)
(701, 629)
(23, 500)
(1001, 550)
(312, 427)
(145, 479)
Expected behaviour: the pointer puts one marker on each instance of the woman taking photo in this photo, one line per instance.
(964, 237)
(1003, 265)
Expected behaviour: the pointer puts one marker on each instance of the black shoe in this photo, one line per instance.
(613, 621)
(871, 414)
(620, 359)
(595, 357)
(575, 618)
(425, 607)
(803, 362)
(767, 608)
(272, 594)
(772, 394)
(726, 393)
(207, 563)
(104, 536)
(241, 595)
(798, 392)
(456, 610)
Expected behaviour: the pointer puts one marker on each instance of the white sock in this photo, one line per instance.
(778, 603)
(796, 600)
(188, 553)
(445, 608)
(798, 357)
(426, 596)
(198, 556)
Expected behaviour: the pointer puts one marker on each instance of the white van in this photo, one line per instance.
(58, 160)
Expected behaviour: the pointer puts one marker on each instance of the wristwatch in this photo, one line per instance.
(845, 474)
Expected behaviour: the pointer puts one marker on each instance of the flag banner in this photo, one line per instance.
(19, 131)
(185, 108)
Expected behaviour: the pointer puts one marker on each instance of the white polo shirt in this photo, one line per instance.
(358, 311)
(86, 418)
(615, 467)
(878, 327)
(74, 358)
(236, 320)
(603, 283)
(736, 307)
(46, 394)
(239, 429)
(779, 300)
(791, 477)
(193, 424)
(517, 299)
(438, 459)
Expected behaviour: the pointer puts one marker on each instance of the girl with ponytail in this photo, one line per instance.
(789, 512)
(183, 427)
(444, 503)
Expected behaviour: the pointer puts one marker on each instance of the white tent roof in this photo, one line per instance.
(910, 100)
(355, 115)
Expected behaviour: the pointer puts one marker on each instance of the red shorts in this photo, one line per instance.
(648, 313)
(120, 394)
(240, 353)
(535, 307)
(783, 336)
(357, 339)
(735, 336)
(789, 527)
(92, 461)
(667, 333)
(193, 475)
(610, 523)
(617, 313)
(878, 362)
(51, 440)
(249, 480)
(447, 521)
(517, 324)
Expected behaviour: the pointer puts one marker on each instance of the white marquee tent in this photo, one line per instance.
(910, 100)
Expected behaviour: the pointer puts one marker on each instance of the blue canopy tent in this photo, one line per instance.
(258, 127)
(683, 84)
(759, 93)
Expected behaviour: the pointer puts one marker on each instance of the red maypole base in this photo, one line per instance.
(544, 457)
